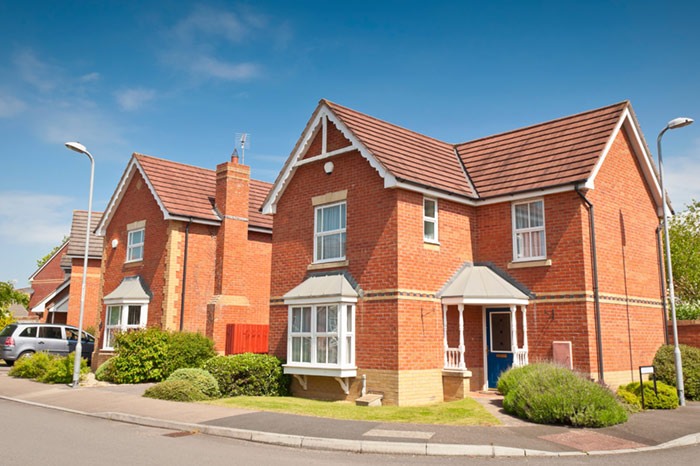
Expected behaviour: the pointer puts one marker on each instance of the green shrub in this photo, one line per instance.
(629, 398)
(665, 367)
(60, 369)
(249, 374)
(175, 390)
(187, 350)
(667, 397)
(140, 356)
(203, 380)
(687, 310)
(32, 367)
(512, 377)
(552, 394)
(105, 373)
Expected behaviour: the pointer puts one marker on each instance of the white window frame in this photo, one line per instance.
(341, 231)
(434, 220)
(123, 324)
(346, 355)
(131, 246)
(528, 230)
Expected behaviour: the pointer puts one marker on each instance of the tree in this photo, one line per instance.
(43, 260)
(684, 231)
(8, 296)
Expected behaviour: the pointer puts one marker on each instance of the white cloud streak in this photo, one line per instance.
(133, 99)
(10, 106)
(210, 66)
(31, 218)
(43, 76)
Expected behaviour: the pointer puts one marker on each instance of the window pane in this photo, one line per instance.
(321, 319)
(114, 317)
(296, 349)
(428, 229)
(537, 243)
(28, 332)
(321, 349)
(306, 349)
(429, 208)
(342, 245)
(331, 218)
(537, 214)
(331, 246)
(332, 319)
(333, 350)
(521, 214)
(296, 319)
(319, 248)
(137, 237)
(134, 317)
(71, 334)
(109, 337)
(306, 320)
(136, 253)
(51, 332)
(342, 215)
(348, 318)
(319, 220)
(527, 242)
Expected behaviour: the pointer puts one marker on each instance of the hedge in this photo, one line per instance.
(47, 368)
(175, 390)
(665, 367)
(203, 380)
(667, 397)
(249, 374)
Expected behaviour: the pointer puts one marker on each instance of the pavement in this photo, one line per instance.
(647, 431)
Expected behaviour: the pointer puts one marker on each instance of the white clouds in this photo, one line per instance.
(133, 99)
(212, 67)
(32, 70)
(10, 106)
(90, 77)
(31, 218)
(207, 21)
(78, 123)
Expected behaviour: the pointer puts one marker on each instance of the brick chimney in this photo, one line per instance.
(232, 184)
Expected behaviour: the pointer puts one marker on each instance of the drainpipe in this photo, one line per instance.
(596, 292)
(662, 276)
(184, 276)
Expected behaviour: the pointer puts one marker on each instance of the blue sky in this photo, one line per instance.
(180, 80)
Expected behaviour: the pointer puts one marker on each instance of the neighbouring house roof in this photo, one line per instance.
(76, 244)
(131, 289)
(323, 286)
(41, 305)
(481, 284)
(58, 251)
(185, 191)
(546, 157)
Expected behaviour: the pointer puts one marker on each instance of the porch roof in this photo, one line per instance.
(321, 287)
(480, 284)
(131, 290)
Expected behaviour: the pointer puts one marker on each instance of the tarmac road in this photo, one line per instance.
(32, 435)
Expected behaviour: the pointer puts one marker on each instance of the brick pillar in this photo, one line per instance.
(230, 302)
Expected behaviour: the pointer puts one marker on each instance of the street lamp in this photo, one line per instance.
(77, 147)
(673, 124)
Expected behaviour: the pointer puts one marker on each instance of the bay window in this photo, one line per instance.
(123, 317)
(528, 231)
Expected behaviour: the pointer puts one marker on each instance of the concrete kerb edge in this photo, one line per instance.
(355, 446)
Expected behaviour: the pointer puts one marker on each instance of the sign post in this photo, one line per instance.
(646, 370)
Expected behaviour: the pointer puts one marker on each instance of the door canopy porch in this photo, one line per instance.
(483, 284)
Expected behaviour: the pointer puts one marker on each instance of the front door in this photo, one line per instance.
(499, 352)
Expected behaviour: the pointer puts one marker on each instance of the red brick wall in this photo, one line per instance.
(688, 333)
(46, 281)
(92, 293)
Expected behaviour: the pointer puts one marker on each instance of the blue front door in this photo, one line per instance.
(499, 354)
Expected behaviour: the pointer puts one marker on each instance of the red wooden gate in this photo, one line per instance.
(246, 338)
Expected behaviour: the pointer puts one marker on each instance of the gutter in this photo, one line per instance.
(596, 291)
(184, 276)
(662, 277)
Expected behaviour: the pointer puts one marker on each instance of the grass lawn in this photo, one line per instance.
(466, 412)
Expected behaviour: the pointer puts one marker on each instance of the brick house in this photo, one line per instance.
(54, 298)
(420, 269)
(184, 248)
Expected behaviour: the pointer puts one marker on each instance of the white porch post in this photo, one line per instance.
(524, 310)
(444, 330)
(513, 330)
(461, 337)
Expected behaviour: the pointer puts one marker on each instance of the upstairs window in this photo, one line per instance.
(134, 248)
(329, 236)
(430, 220)
(528, 231)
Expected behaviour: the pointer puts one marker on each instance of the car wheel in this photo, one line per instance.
(26, 354)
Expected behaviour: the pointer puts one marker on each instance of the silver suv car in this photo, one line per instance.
(22, 339)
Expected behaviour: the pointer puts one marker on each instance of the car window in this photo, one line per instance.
(87, 337)
(28, 332)
(50, 332)
(72, 334)
(8, 330)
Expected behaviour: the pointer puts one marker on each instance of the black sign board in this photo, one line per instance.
(646, 370)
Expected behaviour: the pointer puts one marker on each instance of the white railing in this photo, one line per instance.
(520, 358)
(452, 358)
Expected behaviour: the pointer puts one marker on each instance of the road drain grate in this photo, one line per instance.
(179, 434)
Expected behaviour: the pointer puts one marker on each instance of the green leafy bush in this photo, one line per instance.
(175, 390)
(203, 380)
(105, 373)
(630, 399)
(60, 370)
(249, 374)
(32, 367)
(141, 356)
(665, 367)
(512, 377)
(551, 394)
(667, 397)
(187, 350)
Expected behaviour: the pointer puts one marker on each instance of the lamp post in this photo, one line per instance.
(673, 124)
(77, 147)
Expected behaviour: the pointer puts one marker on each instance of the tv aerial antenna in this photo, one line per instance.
(243, 141)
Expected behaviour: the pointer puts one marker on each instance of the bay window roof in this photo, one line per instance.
(337, 285)
(131, 290)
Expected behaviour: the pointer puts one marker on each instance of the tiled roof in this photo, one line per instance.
(407, 154)
(76, 243)
(544, 155)
(190, 191)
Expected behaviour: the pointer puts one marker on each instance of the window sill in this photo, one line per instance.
(431, 245)
(133, 264)
(327, 265)
(320, 371)
(526, 264)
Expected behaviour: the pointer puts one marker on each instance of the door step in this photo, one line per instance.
(370, 399)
